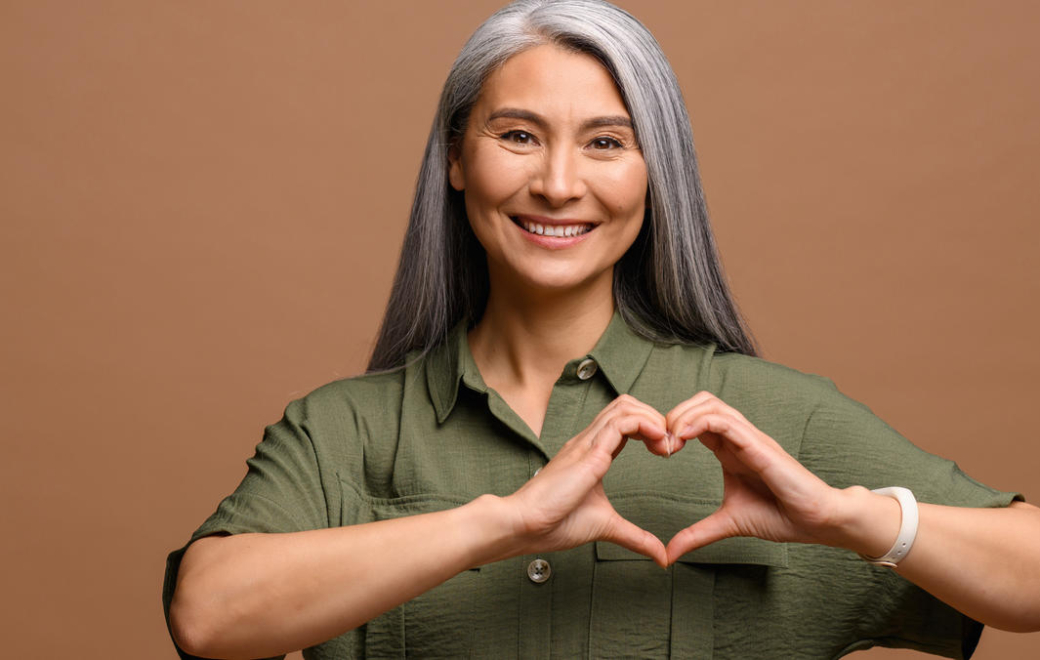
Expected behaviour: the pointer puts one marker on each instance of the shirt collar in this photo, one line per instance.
(620, 355)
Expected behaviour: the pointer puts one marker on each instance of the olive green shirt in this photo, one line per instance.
(432, 436)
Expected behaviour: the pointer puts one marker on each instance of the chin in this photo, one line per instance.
(562, 282)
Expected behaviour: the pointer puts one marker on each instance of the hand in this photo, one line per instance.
(767, 493)
(564, 505)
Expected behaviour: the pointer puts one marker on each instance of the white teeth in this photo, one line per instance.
(562, 231)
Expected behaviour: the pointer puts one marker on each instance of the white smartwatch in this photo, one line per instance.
(907, 527)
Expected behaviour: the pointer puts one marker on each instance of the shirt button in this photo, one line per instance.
(539, 571)
(586, 369)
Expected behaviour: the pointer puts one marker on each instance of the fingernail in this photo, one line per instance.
(668, 445)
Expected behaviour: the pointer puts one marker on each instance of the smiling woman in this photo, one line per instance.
(558, 299)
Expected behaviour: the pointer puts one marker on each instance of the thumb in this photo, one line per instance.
(701, 533)
(635, 538)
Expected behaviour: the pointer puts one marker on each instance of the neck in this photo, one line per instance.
(525, 338)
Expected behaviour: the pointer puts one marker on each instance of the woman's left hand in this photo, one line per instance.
(767, 493)
(981, 561)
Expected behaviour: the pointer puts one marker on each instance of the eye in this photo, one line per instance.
(518, 137)
(605, 143)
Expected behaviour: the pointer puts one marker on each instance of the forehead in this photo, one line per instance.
(552, 80)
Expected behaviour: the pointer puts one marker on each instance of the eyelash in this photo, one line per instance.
(511, 136)
(613, 142)
(603, 141)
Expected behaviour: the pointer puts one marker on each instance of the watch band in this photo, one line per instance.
(907, 527)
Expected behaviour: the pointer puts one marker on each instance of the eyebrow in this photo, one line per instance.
(539, 121)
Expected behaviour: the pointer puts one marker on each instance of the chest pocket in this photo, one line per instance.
(638, 610)
(438, 623)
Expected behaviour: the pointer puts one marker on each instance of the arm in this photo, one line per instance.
(255, 595)
(984, 562)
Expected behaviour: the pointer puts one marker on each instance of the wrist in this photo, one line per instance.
(490, 520)
(868, 523)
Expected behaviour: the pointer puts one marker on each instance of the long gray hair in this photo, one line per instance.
(668, 287)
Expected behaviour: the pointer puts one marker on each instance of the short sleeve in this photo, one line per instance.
(845, 444)
(281, 492)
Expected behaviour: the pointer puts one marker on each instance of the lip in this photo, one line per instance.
(551, 242)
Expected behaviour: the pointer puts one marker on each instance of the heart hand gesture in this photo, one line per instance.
(767, 493)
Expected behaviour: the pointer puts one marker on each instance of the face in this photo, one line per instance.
(554, 182)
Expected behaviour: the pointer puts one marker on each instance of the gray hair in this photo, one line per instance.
(669, 286)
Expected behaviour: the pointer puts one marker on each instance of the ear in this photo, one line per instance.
(456, 176)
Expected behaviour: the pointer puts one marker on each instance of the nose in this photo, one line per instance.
(558, 178)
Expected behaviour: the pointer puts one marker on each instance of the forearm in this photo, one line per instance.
(257, 595)
(983, 562)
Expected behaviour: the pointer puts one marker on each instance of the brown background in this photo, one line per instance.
(202, 205)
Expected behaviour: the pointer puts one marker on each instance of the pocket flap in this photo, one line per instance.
(357, 507)
(664, 514)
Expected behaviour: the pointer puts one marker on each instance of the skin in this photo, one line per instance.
(255, 595)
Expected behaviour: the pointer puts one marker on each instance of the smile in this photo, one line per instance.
(561, 231)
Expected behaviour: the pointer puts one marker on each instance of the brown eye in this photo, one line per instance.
(518, 137)
(603, 143)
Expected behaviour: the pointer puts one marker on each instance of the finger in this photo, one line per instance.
(678, 410)
(635, 538)
(679, 423)
(687, 427)
(634, 425)
(598, 446)
(714, 528)
(627, 405)
(606, 437)
(723, 433)
(621, 445)
(658, 440)
(701, 400)
(743, 450)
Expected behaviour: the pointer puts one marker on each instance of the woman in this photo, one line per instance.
(558, 295)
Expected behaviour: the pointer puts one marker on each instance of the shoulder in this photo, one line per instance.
(740, 380)
(356, 390)
(757, 377)
(348, 411)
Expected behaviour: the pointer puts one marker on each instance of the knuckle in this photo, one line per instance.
(622, 401)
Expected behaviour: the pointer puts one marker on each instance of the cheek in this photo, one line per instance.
(492, 178)
(625, 190)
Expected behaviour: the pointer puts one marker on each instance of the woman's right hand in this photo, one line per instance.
(564, 506)
(258, 595)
